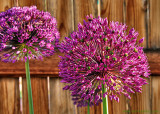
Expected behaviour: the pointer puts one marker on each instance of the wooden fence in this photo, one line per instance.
(48, 96)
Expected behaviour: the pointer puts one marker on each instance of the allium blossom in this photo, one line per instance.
(101, 53)
(27, 30)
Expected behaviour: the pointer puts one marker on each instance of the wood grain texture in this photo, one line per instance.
(39, 3)
(62, 10)
(61, 101)
(82, 110)
(154, 62)
(140, 102)
(118, 108)
(82, 8)
(113, 10)
(96, 109)
(154, 19)
(155, 89)
(39, 94)
(136, 17)
(9, 97)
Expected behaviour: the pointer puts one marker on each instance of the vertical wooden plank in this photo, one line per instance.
(39, 94)
(82, 8)
(61, 101)
(154, 19)
(9, 87)
(136, 17)
(9, 97)
(39, 85)
(96, 109)
(155, 89)
(140, 102)
(62, 10)
(113, 10)
(118, 107)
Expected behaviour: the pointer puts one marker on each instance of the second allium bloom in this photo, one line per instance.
(101, 53)
(27, 31)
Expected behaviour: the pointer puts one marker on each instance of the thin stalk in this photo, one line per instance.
(31, 110)
(105, 100)
(88, 110)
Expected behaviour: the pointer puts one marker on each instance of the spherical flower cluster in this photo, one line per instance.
(101, 53)
(27, 31)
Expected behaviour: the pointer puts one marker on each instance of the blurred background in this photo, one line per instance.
(48, 96)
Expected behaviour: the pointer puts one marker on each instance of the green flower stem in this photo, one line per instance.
(88, 110)
(31, 111)
(105, 100)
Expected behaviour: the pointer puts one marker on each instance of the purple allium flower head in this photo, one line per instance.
(26, 29)
(101, 53)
